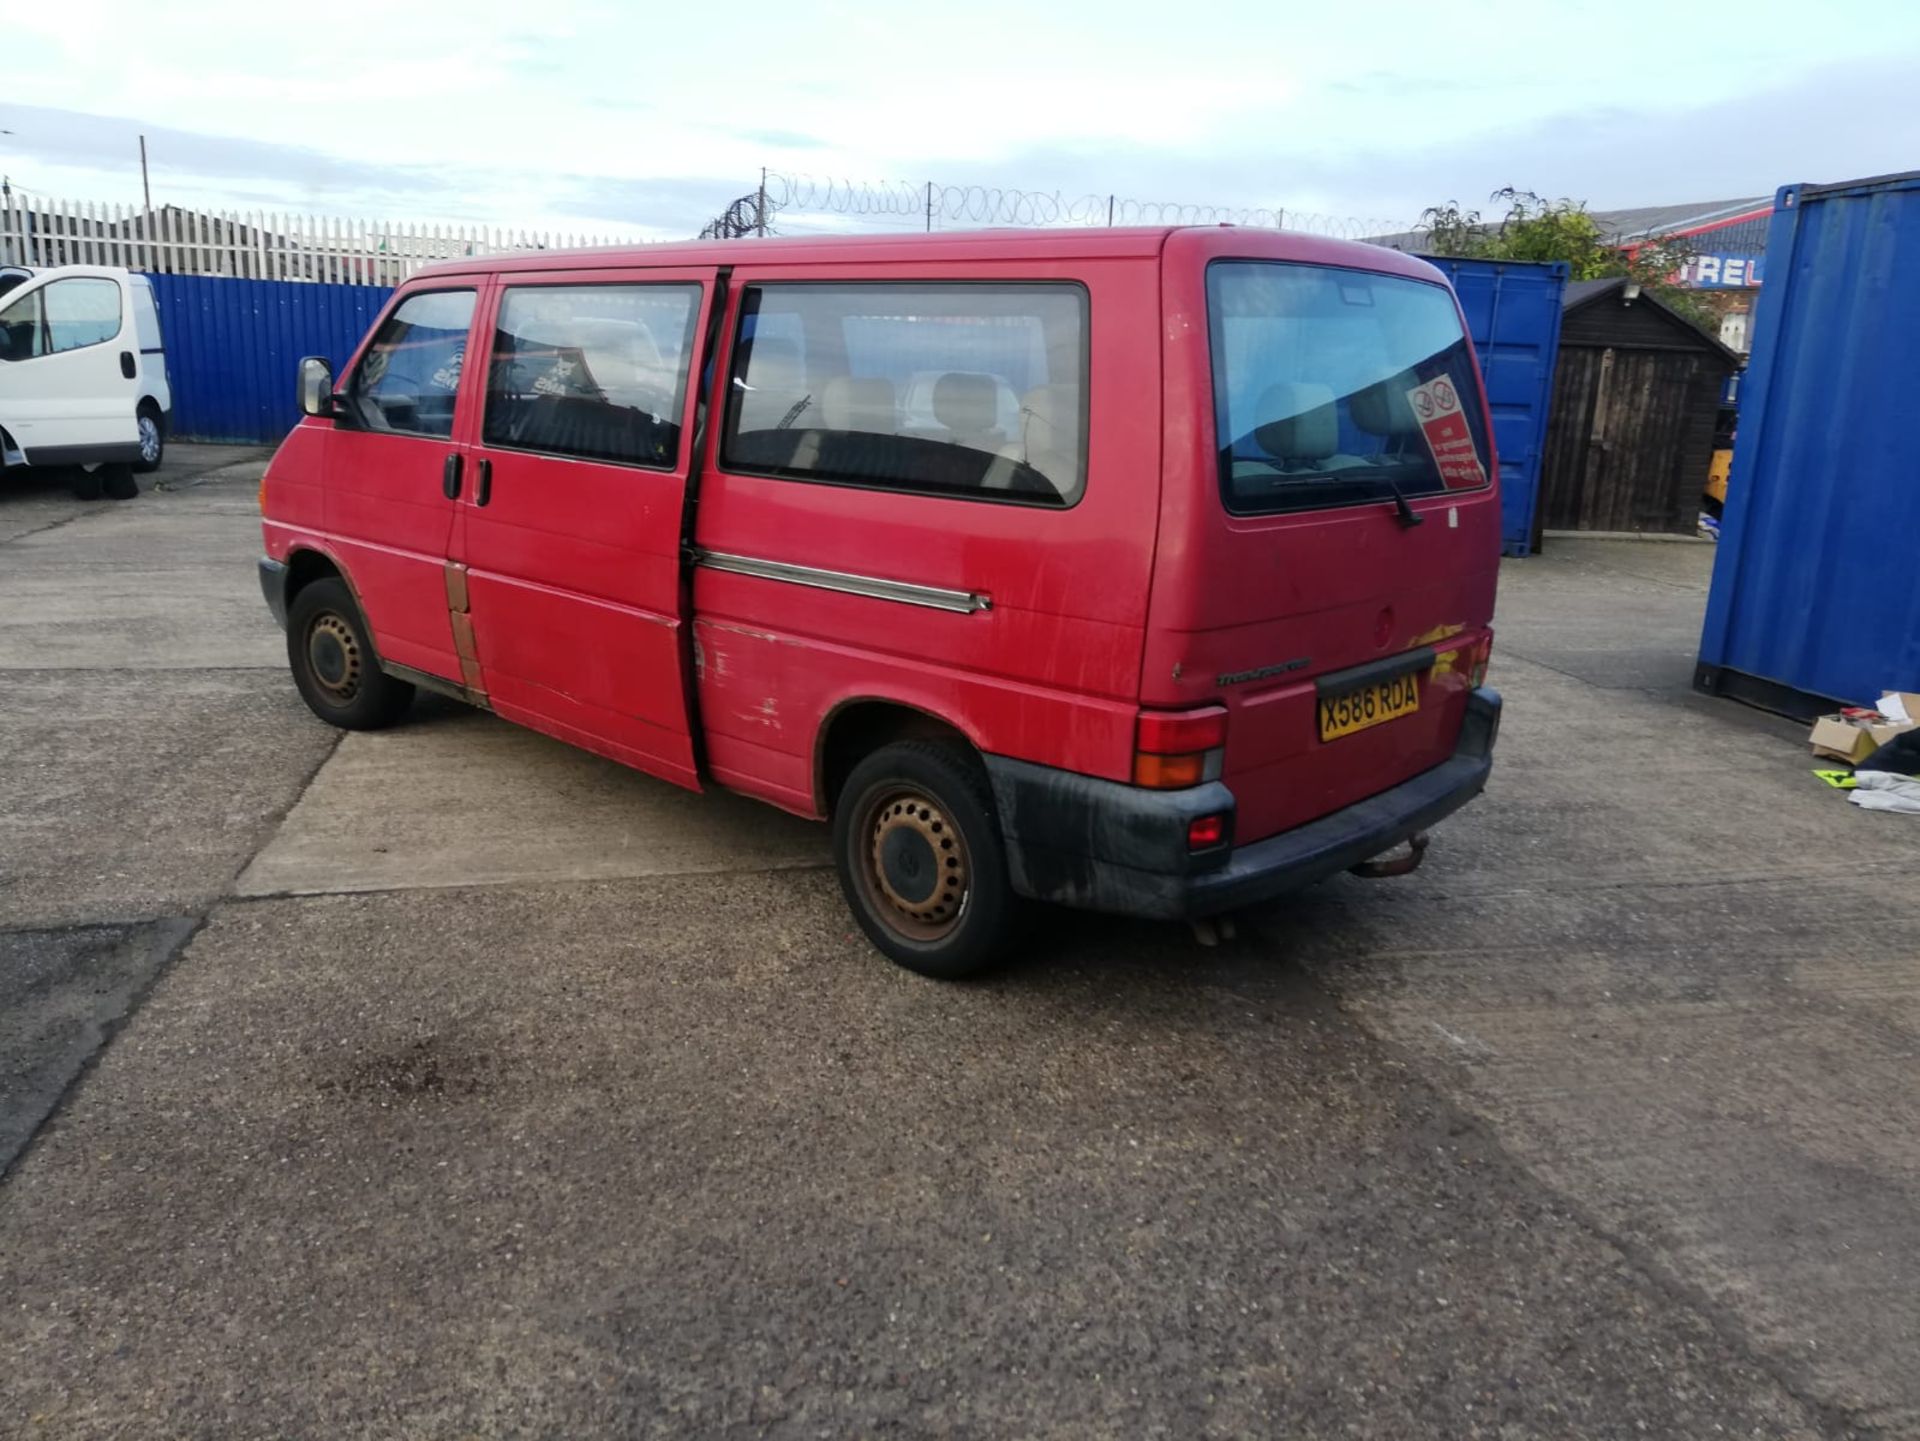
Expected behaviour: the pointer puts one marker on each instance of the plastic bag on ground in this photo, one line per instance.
(1885, 791)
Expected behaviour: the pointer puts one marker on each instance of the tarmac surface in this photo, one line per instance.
(451, 1082)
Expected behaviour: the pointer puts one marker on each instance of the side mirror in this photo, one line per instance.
(316, 386)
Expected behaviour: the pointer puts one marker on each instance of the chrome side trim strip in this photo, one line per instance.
(965, 602)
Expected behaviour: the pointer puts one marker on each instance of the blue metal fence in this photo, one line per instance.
(234, 347)
(1513, 315)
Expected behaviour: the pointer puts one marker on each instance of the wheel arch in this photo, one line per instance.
(856, 726)
(306, 564)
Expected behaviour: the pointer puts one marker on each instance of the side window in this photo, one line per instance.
(146, 320)
(81, 312)
(410, 376)
(595, 371)
(945, 389)
(23, 332)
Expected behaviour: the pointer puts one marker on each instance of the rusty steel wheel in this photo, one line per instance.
(334, 664)
(918, 871)
(333, 655)
(921, 859)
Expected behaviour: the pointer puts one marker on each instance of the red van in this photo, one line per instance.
(1147, 571)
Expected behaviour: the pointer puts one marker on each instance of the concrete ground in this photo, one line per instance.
(449, 1082)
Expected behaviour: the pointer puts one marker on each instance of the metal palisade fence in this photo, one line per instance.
(256, 245)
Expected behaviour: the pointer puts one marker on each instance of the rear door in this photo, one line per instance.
(569, 547)
(154, 381)
(394, 468)
(1343, 527)
(68, 373)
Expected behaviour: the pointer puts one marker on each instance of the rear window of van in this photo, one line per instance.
(1339, 387)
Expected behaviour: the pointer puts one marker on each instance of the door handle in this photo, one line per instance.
(450, 477)
(482, 481)
(126, 364)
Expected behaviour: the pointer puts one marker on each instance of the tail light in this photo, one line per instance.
(1177, 749)
(1470, 661)
(1478, 659)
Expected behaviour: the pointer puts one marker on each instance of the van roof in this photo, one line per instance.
(947, 245)
(67, 272)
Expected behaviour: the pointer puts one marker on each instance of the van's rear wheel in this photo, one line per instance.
(921, 860)
(333, 662)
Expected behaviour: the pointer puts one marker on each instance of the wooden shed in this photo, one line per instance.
(1635, 393)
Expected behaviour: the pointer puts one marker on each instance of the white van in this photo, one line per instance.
(83, 369)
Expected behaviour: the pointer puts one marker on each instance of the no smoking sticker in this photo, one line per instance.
(1443, 424)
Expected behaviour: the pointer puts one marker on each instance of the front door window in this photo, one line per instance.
(407, 381)
(66, 315)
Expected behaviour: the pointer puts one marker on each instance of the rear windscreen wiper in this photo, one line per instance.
(1407, 515)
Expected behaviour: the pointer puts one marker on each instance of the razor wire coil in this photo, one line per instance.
(938, 204)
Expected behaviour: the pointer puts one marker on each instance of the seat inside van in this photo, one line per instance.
(1383, 412)
(860, 403)
(1297, 426)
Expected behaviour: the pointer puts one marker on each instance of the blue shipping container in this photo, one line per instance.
(1513, 315)
(234, 348)
(1816, 588)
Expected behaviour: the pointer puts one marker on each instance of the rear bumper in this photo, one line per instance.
(106, 453)
(1103, 846)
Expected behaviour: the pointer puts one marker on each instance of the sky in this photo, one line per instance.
(641, 121)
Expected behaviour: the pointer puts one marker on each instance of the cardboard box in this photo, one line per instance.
(1852, 738)
(1843, 738)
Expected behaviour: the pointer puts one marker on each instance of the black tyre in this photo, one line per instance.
(334, 664)
(153, 439)
(117, 482)
(87, 483)
(921, 860)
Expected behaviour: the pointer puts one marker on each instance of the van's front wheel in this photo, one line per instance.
(333, 662)
(921, 859)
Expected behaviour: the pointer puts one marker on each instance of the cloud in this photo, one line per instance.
(573, 131)
(97, 142)
(190, 167)
(781, 139)
(1813, 127)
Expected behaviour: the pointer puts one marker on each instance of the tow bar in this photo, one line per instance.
(1379, 870)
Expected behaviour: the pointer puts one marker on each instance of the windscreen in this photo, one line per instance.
(1339, 387)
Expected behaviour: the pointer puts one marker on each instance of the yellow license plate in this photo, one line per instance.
(1369, 705)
